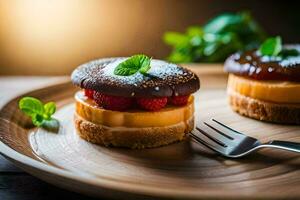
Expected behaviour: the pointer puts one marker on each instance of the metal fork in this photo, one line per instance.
(233, 144)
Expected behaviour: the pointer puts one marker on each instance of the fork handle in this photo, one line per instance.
(285, 145)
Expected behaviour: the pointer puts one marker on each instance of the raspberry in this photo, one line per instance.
(89, 93)
(153, 104)
(112, 102)
(179, 100)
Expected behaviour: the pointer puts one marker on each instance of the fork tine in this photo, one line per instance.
(208, 142)
(218, 135)
(217, 140)
(231, 133)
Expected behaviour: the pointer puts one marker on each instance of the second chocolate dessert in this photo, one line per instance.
(266, 87)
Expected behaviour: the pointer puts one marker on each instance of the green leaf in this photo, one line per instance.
(216, 40)
(288, 53)
(175, 39)
(180, 57)
(223, 23)
(194, 31)
(51, 125)
(196, 41)
(145, 67)
(50, 109)
(31, 106)
(271, 47)
(37, 119)
(38, 112)
(241, 23)
(132, 65)
(222, 46)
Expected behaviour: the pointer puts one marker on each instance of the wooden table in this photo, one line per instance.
(14, 182)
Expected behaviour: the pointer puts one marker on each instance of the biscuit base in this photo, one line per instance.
(265, 111)
(135, 138)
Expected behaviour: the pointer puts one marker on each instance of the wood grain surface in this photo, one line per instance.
(16, 184)
(183, 170)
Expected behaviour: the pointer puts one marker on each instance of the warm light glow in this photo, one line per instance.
(56, 34)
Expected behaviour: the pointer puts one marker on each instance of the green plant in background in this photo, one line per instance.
(216, 40)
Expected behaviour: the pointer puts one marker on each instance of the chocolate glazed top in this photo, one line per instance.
(251, 64)
(165, 79)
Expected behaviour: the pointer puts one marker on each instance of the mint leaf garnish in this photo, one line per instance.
(49, 109)
(288, 52)
(132, 65)
(145, 67)
(271, 46)
(41, 115)
(37, 119)
(31, 106)
(51, 125)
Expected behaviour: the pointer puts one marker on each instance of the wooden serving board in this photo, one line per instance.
(184, 170)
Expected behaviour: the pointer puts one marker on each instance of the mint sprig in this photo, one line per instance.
(288, 53)
(137, 63)
(41, 114)
(271, 47)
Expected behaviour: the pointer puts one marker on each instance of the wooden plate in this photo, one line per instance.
(183, 170)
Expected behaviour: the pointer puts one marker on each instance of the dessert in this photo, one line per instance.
(266, 85)
(134, 102)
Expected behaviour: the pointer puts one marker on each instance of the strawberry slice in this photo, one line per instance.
(89, 93)
(179, 100)
(152, 104)
(112, 102)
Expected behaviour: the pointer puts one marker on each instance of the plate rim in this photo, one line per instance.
(21, 160)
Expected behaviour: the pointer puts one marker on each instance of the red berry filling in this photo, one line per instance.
(122, 103)
(89, 93)
(112, 102)
(152, 104)
(179, 100)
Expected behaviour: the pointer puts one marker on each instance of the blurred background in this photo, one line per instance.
(52, 37)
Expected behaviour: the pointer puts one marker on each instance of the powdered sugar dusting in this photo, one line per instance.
(108, 71)
(159, 69)
(290, 61)
(162, 69)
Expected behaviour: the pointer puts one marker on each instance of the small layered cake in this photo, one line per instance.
(134, 102)
(266, 87)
